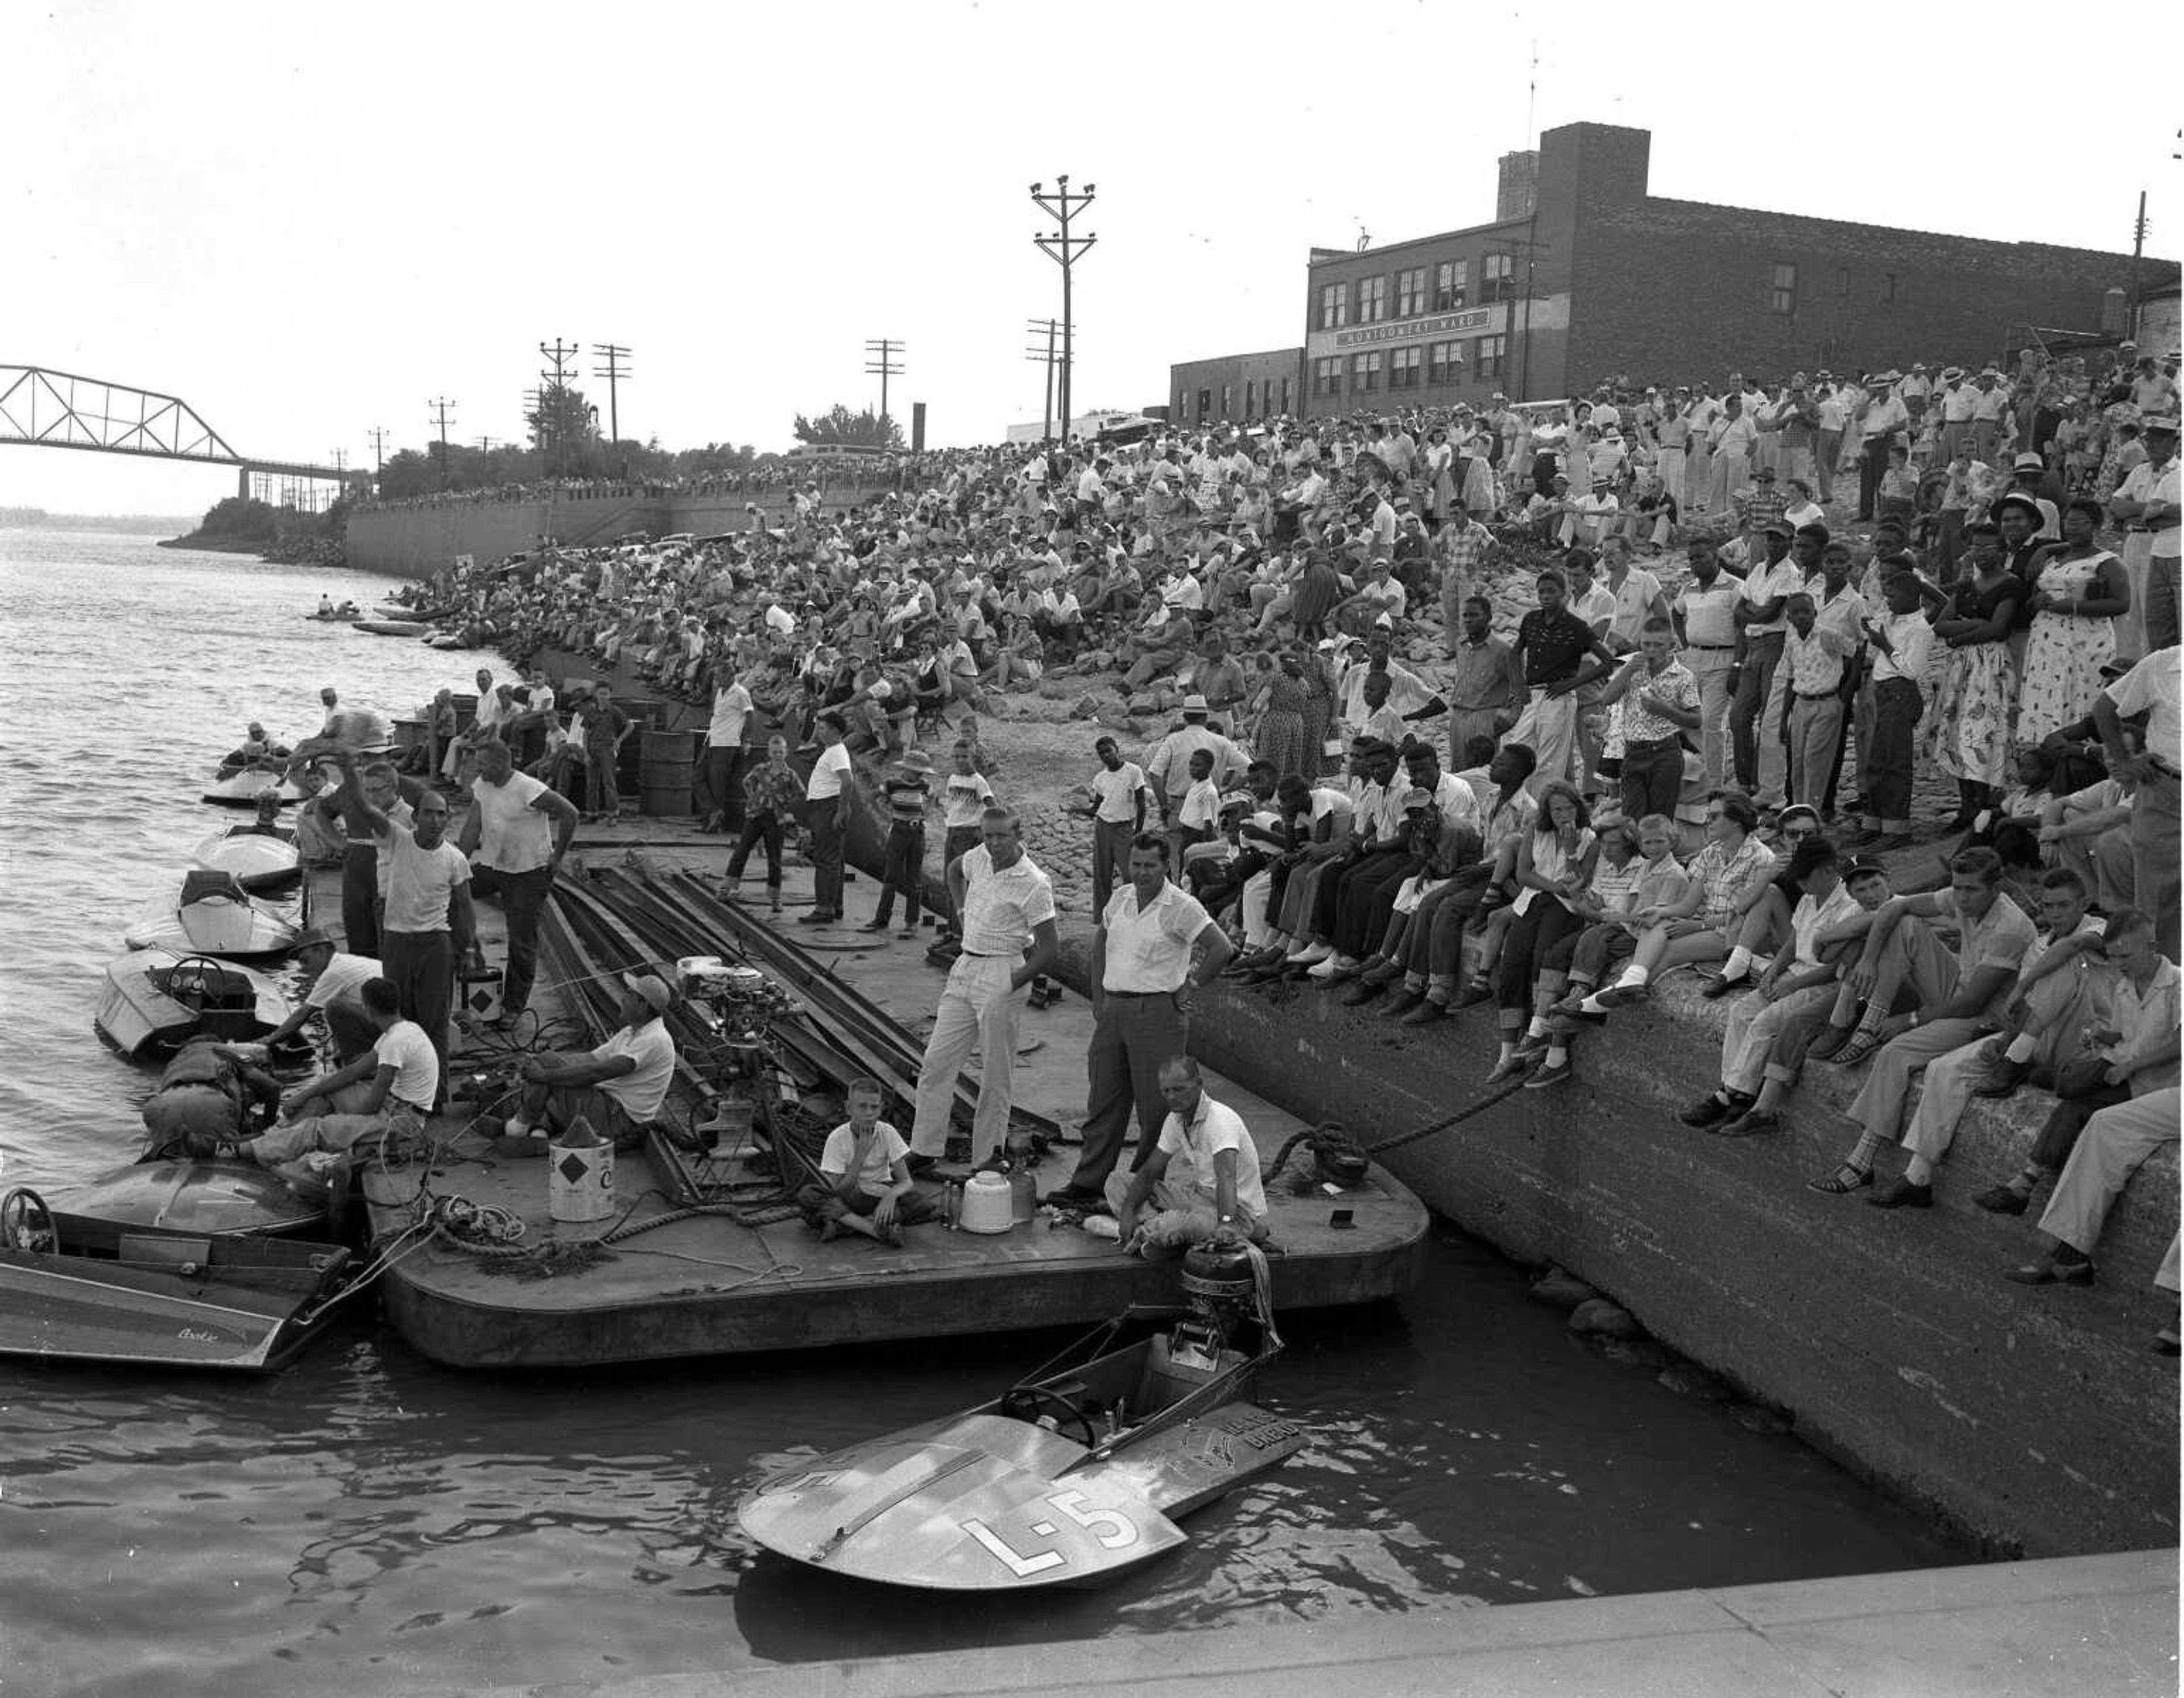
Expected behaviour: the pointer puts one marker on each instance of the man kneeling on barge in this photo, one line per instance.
(1202, 1180)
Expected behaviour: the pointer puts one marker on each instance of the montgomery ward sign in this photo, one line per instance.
(1487, 320)
(1443, 324)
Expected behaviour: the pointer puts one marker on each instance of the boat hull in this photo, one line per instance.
(138, 1011)
(257, 862)
(242, 790)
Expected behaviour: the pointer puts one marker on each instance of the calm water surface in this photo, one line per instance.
(368, 1522)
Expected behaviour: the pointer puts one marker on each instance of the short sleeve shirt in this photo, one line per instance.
(420, 882)
(513, 836)
(405, 1047)
(829, 772)
(2152, 688)
(1001, 908)
(640, 1092)
(1148, 949)
(1997, 938)
(1554, 644)
(1190, 1147)
(344, 977)
(1117, 791)
(876, 1177)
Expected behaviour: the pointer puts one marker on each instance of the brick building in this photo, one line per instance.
(1583, 275)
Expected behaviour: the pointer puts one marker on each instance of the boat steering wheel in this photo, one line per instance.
(26, 1223)
(1024, 1401)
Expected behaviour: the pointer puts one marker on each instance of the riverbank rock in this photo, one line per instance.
(1597, 1315)
(1559, 1288)
(1694, 1381)
(1636, 1353)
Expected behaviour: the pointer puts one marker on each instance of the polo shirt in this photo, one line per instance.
(1808, 919)
(2147, 1019)
(420, 881)
(1768, 583)
(1001, 908)
(639, 1093)
(1148, 946)
(1554, 644)
(513, 836)
(1633, 601)
(1191, 1146)
(1999, 939)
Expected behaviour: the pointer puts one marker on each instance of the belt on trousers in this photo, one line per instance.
(1712, 647)
(1104, 992)
(1818, 695)
(976, 956)
(1630, 744)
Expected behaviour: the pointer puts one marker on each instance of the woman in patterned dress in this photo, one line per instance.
(2079, 590)
(1968, 726)
(1318, 711)
(1281, 731)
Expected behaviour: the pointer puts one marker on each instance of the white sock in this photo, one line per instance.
(516, 1126)
(1634, 977)
(1509, 1050)
(1591, 1006)
(1538, 1029)
(1557, 1053)
(2022, 1048)
(1919, 1171)
(1740, 957)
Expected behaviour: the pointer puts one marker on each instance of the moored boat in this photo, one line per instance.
(1074, 1474)
(257, 862)
(241, 789)
(153, 1297)
(159, 999)
(212, 915)
(389, 627)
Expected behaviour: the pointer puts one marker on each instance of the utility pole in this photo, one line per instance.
(617, 369)
(378, 434)
(1064, 249)
(341, 459)
(1050, 329)
(882, 360)
(439, 406)
(563, 354)
(2137, 250)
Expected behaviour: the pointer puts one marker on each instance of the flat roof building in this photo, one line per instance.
(1583, 276)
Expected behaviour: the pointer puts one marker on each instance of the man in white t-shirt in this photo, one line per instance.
(618, 1088)
(826, 795)
(334, 986)
(864, 1184)
(389, 1088)
(724, 754)
(1202, 1179)
(516, 835)
(1119, 794)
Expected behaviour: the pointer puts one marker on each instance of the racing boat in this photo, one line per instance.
(335, 616)
(257, 861)
(390, 627)
(1073, 1475)
(156, 999)
(89, 1290)
(234, 789)
(212, 915)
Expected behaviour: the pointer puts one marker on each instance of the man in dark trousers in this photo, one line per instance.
(1141, 964)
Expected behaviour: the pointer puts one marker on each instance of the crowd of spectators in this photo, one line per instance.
(1534, 705)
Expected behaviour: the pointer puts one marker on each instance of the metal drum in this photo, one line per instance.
(669, 768)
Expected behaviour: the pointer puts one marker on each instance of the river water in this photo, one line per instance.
(368, 1522)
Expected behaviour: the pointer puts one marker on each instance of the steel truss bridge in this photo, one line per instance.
(39, 408)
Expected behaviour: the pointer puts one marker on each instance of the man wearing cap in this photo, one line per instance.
(618, 1087)
(332, 982)
(2146, 505)
(1142, 964)
(1168, 770)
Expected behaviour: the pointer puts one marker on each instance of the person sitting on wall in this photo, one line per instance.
(618, 1086)
(864, 1184)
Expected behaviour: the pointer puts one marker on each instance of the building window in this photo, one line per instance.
(1843, 281)
(1444, 364)
(1227, 400)
(1285, 395)
(1334, 306)
(1451, 280)
(1182, 411)
(1364, 374)
(1403, 367)
(1498, 276)
(1888, 287)
(1372, 299)
(1491, 354)
(1205, 405)
(1410, 292)
(1248, 387)
(1327, 375)
(1782, 291)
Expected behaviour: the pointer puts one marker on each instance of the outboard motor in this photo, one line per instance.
(1227, 1292)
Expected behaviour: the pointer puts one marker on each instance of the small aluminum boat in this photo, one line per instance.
(156, 999)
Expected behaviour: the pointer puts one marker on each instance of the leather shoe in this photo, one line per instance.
(1718, 988)
(2003, 1078)
(2053, 1273)
(2000, 1199)
(1900, 1193)
(1360, 994)
(1425, 1013)
(1749, 1124)
(1706, 1111)
(1403, 1000)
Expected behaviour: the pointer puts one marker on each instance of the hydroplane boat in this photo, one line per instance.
(258, 862)
(212, 915)
(156, 999)
(1073, 1475)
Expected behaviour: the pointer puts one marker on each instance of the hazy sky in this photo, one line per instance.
(307, 220)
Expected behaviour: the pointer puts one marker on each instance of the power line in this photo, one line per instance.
(1050, 329)
(378, 435)
(563, 354)
(616, 370)
(1064, 249)
(881, 361)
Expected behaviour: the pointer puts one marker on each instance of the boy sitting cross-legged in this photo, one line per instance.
(864, 1183)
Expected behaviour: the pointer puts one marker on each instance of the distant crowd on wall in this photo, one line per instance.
(1858, 697)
